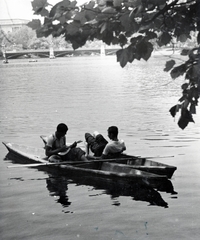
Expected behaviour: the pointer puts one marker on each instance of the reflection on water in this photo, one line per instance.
(58, 186)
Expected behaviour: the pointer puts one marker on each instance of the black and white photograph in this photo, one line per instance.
(100, 119)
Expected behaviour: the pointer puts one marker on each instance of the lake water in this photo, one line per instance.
(88, 94)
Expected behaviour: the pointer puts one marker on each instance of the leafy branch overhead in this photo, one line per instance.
(134, 25)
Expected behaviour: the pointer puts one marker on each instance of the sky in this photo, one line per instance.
(22, 9)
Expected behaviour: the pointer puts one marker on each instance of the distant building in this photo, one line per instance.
(11, 25)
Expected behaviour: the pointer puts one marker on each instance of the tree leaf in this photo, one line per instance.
(135, 3)
(117, 3)
(125, 21)
(183, 122)
(109, 11)
(173, 110)
(75, 45)
(193, 93)
(61, 7)
(34, 24)
(80, 16)
(90, 5)
(169, 65)
(43, 12)
(193, 108)
(122, 57)
(122, 40)
(62, 19)
(37, 4)
(178, 71)
(39, 7)
(185, 52)
(144, 49)
(184, 86)
(72, 4)
(44, 31)
(91, 12)
(183, 98)
(115, 41)
(107, 37)
(73, 28)
(185, 118)
(102, 16)
(131, 55)
(164, 39)
(193, 73)
(150, 35)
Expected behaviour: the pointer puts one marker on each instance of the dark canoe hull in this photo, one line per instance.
(97, 169)
(147, 165)
(101, 168)
(126, 163)
(111, 170)
(142, 164)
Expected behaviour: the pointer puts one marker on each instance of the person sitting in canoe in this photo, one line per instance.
(56, 148)
(101, 148)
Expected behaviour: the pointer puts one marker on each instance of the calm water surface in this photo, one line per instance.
(92, 93)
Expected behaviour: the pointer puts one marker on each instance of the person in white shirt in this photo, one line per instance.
(116, 146)
(112, 149)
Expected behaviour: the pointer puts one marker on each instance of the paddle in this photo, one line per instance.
(155, 157)
(36, 164)
(69, 162)
(44, 139)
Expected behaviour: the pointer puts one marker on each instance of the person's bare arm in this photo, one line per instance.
(49, 152)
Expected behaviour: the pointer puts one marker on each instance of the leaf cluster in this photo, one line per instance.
(190, 89)
(131, 24)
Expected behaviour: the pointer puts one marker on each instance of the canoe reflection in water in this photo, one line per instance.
(139, 191)
(58, 187)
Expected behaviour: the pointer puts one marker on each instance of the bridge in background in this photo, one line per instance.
(56, 53)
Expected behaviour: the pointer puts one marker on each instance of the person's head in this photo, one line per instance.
(112, 132)
(61, 130)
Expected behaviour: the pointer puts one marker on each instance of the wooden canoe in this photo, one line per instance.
(150, 166)
(140, 163)
(102, 168)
